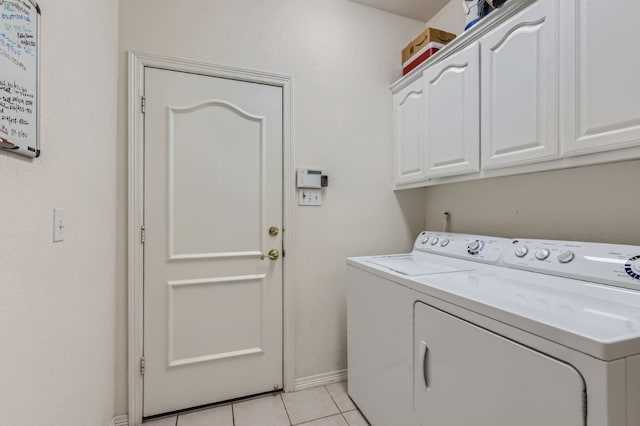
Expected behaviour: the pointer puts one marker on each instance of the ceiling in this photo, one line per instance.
(422, 10)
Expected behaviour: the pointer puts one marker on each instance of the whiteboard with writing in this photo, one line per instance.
(19, 77)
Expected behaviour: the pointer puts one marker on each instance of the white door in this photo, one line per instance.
(408, 134)
(466, 375)
(600, 103)
(519, 86)
(213, 188)
(452, 124)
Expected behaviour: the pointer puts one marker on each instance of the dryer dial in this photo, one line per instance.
(474, 247)
(521, 251)
(542, 254)
(566, 257)
(425, 239)
(434, 241)
(632, 267)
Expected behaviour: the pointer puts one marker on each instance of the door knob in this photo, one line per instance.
(273, 254)
(274, 230)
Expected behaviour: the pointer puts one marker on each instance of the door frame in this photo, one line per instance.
(137, 64)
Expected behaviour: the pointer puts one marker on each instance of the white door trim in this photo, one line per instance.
(137, 64)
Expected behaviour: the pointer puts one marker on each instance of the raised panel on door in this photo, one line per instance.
(452, 125)
(600, 76)
(408, 134)
(519, 88)
(466, 375)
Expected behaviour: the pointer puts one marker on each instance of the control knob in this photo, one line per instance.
(434, 241)
(425, 239)
(542, 254)
(444, 242)
(632, 267)
(521, 251)
(566, 257)
(474, 247)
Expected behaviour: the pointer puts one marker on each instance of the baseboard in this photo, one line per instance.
(320, 380)
(120, 421)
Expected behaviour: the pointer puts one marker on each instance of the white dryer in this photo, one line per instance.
(511, 332)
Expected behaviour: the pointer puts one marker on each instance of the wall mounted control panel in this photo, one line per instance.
(310, 183)
(308, 178)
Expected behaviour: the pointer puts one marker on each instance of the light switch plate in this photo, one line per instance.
(58, 225)
(309, 197)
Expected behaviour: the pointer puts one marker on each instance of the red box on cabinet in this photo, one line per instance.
(426, 44)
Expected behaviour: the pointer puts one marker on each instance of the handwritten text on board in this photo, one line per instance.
(18, 76)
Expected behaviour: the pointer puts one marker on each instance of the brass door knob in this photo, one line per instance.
(274, 230)
(273, 254)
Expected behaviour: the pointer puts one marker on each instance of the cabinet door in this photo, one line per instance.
(452, 124)
(466, 375)
(600, 76)
(519, 88)
(408, 134)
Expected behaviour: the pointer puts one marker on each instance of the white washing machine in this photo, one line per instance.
(483, 331)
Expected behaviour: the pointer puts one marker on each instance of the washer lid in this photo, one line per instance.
(411, 265)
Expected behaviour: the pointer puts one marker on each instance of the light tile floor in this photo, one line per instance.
(322, 406)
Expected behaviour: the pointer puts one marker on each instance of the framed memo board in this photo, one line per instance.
(20, 77)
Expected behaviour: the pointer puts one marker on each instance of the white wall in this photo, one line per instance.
(57, 301)
(343, 56)
(450, 18)
(585, 204)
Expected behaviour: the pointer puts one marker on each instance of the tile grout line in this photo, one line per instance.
(285, 410)
(319, 418)
(345, 419)
(346, 411)
(332, 399)
(336, 404)
(323, 417)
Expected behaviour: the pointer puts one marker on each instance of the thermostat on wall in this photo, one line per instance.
(308, 178)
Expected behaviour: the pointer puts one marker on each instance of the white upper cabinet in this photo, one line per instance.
(519, 86)
(452, 124)
(537, 85)
(408, 134)
(600, 69)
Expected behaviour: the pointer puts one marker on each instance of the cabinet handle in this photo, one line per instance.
(425, 365)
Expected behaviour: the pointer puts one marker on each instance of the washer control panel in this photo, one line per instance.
(604, 263)
(612, 264)
(474, 247)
